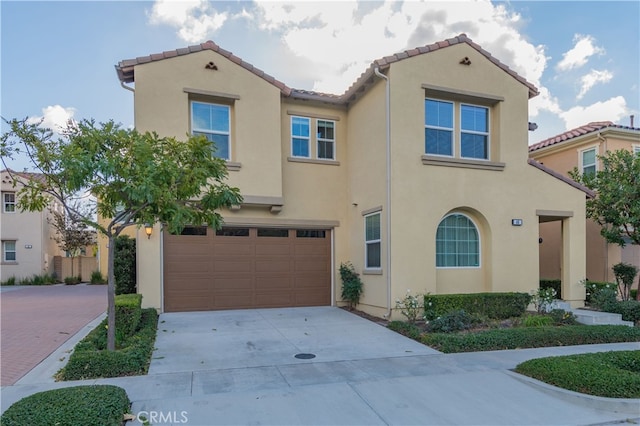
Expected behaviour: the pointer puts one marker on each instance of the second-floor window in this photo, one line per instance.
(9, 202)
(588, 161)
(442, 132)
(372, 241)
(213, 121)
(303, 138)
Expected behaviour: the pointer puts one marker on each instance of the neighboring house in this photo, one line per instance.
(418, 174)
(28, 246)
(579, 148)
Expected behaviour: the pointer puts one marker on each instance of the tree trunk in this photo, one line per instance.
(111, 296)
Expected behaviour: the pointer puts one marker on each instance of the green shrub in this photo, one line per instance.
(452, 321)
(128, 312)
(411, 306)
(489, 305)
(124, 265)
(72, 280)
(100, 405)
(634, 294)
(537, 321)
(606, 374)
(554, 284)
(91, 360)
(593, 288)
(10, 281)
(629, 309)
(97, 278)
(406, 329)
(351, 284)
(534, 337)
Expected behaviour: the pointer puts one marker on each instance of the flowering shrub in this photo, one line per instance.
(411, 306)
(543, 298)
(599, 293)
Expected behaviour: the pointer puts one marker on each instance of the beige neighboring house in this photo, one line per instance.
(28, 247)
(579, 148)
(418, 174)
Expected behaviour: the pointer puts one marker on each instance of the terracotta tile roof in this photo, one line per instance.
(592, 127)
(563, 178)
(125, 68)
(25, 175)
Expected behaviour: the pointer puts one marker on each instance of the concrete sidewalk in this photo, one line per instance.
(405, 388)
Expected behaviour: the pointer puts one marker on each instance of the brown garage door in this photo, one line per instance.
(235, 268)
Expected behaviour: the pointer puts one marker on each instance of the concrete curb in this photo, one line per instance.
(616, 405)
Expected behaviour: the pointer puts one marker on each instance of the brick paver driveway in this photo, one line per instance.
(35, 321)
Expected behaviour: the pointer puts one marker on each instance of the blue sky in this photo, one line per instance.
(57, 58)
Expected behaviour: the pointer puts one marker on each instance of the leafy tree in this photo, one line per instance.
(616, 205)
(135, 178)
(72, 234)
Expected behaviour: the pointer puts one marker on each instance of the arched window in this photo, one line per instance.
(457, 243)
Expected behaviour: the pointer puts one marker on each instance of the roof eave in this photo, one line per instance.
(569, 181)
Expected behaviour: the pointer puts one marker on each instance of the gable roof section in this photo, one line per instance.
(593, 127)
(561, 177)
(126, 72)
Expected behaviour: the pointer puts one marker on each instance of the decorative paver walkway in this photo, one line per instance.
(36, 320)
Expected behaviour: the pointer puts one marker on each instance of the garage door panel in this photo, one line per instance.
(235, 272)
(233, 265)
(232, 284)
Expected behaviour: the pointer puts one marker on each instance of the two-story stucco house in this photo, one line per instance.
(418, 174)
(28, 247)
(579, 148)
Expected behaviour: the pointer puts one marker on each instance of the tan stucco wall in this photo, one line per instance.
(27, 229)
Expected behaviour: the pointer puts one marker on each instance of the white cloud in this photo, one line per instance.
(583, 49)
(544, 102)
(54, 117)
(613, 109)
(194, 20)
(594, 77)
(343, 40)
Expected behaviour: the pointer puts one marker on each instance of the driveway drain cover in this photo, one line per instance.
(305, 356)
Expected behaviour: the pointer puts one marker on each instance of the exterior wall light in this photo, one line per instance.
(148, 229)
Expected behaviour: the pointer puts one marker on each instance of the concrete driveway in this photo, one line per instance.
(196, 341)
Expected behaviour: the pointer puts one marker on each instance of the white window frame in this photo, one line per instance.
(6, 203)
(372, 241)
(452, 129)
(595, 161)
(457, 213)
(319, 139)
(474, 132)
(307, 138)
(636, 148)
(5, 251)
(214, 131)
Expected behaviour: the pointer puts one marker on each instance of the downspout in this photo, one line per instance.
(124, 86)
(605, 243)
(376, 70)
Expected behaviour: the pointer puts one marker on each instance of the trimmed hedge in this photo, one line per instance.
(99, 405)
(409, 330)
(554, 284)
(490, 305)
(91, 360)
(530, 337)
(124, 265)
(128, 313)
(629, 309)
(607, 374)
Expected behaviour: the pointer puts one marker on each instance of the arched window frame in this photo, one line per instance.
(479, 242)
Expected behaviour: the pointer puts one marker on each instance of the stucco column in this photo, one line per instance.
(573, 260)
(149, 267)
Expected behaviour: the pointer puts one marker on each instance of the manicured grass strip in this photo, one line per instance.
(608, 374)
(530, 337)
(91, 360)
(101, 405)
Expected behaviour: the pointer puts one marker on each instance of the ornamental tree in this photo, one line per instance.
(616, 205)
(134, 179)
(72, 234)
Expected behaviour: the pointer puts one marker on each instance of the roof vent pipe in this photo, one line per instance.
(631, 117)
